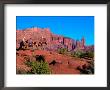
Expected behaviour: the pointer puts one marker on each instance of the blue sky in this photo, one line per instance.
(74, 27)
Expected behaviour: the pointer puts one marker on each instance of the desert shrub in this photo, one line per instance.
(87, 69)
(53, 62)
(62, 50)
(90, 54)
(39, 67)
(77, 54)
(40, 58)
(92, 67)
(82, 54)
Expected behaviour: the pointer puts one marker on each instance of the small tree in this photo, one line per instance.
(40, 67)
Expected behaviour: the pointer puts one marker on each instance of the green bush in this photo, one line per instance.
(82, 54)
(62, 50)
(88, 54)
(91, 54)
(77, 54)
(38, 67)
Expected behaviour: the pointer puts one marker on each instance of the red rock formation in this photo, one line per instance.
(65, 63)
(53, 41)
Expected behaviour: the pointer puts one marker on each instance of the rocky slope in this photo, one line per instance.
(65, 64)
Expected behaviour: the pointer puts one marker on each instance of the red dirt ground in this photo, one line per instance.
(65, 65)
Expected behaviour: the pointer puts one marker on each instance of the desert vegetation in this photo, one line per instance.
(37, 66)
(62, 50)
(83, 54)
(87, 70)
(47, 53)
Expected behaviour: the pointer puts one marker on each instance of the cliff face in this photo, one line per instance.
(45, 35)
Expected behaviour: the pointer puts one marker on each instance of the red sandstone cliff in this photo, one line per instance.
(53, 41)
